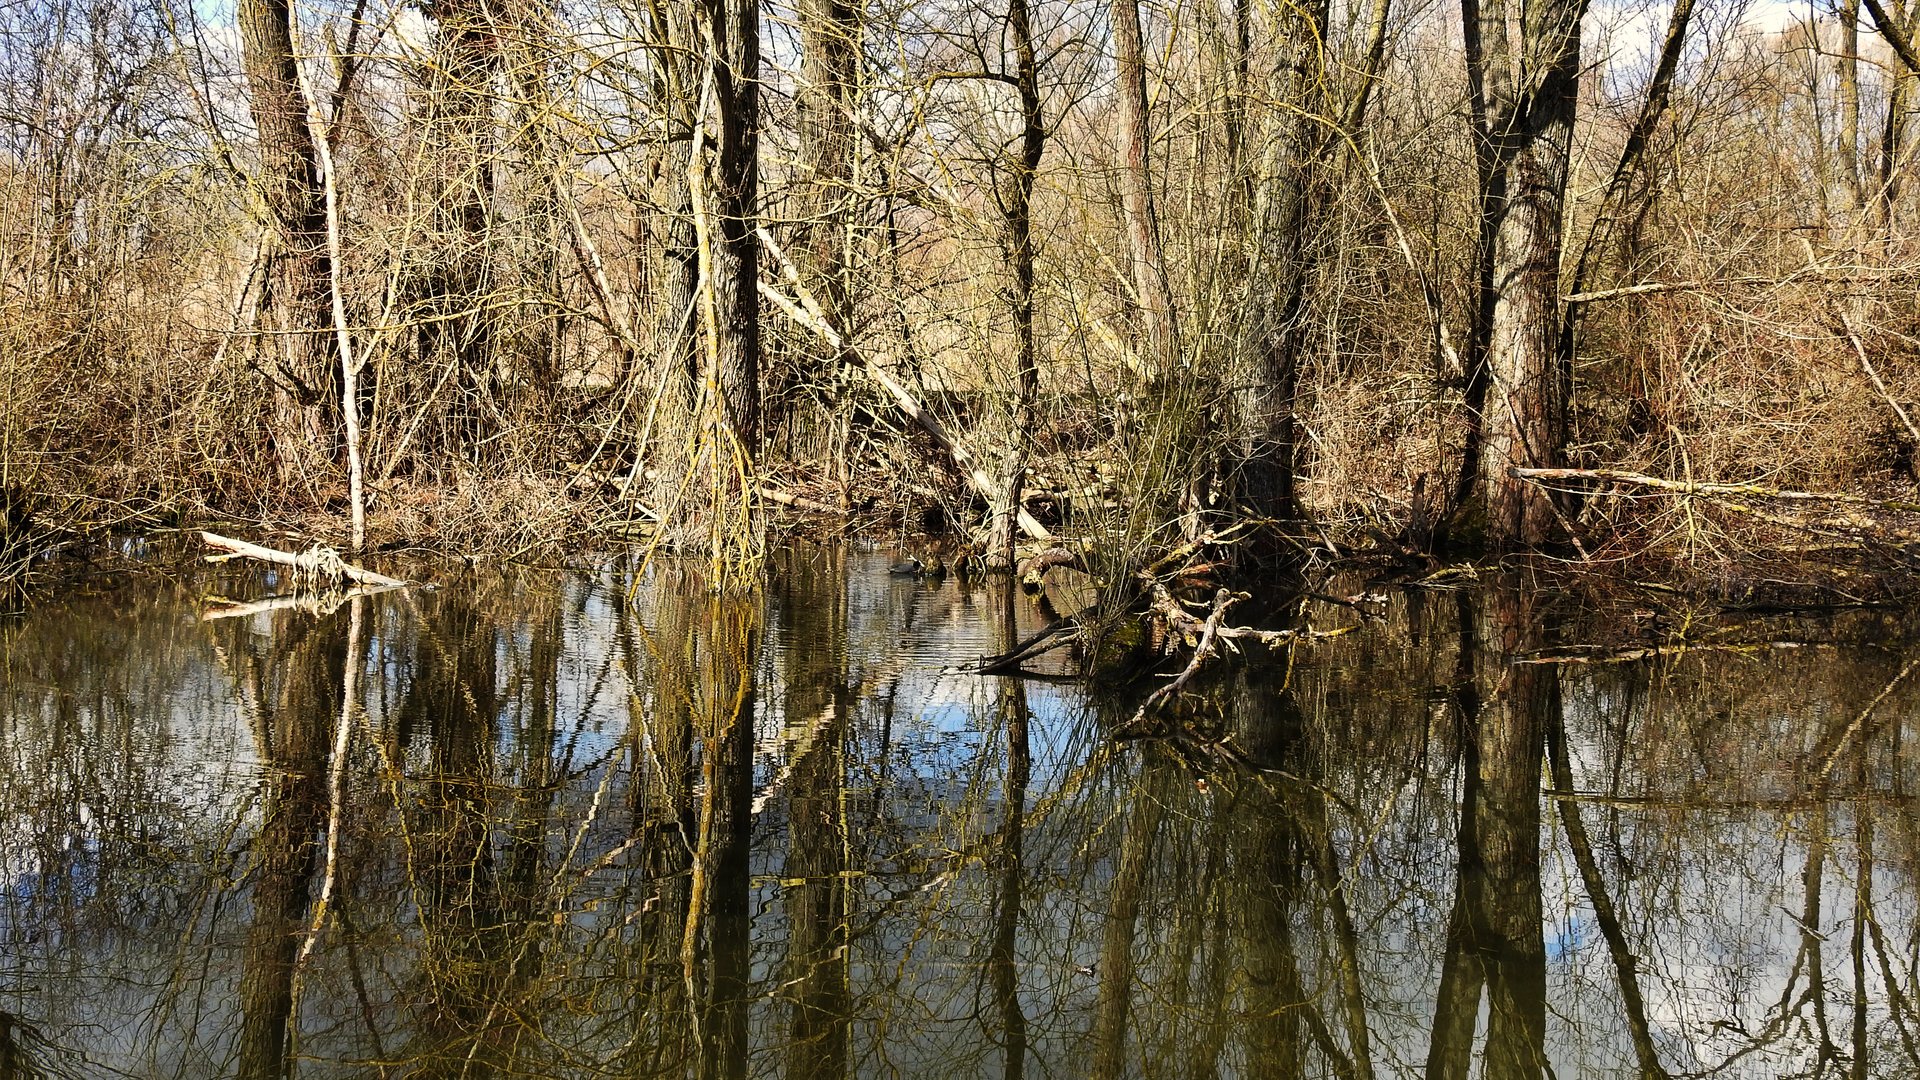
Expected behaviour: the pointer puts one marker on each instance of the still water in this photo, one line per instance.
(578, 824)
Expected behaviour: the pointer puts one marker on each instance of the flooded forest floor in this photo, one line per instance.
(596, 821)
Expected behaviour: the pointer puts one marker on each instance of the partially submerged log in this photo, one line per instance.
(318, 563)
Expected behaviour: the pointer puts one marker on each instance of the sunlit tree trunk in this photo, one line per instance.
(734, 26)
(1525, 88)
(457, 331)
(824, 101)
(1285, 218)
(1020, 252)
(1151, 284)
(305, 394)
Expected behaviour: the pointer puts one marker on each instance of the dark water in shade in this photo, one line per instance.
(565, 835)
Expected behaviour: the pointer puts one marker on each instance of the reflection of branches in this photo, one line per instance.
(1626, 966)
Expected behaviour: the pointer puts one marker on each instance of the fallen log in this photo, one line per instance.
(1702, 487)
(318, 562)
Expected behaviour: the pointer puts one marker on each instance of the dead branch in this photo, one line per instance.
(1886, 395)
(809, 314)
(798, 502)
(1203, 650)
(318, 562)
(1704, 488)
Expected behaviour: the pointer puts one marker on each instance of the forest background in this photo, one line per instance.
(1254, 277)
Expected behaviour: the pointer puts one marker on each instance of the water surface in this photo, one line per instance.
(578, 824)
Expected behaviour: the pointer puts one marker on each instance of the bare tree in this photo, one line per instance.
(1154, 291)
(296, 290)
(1523, 69)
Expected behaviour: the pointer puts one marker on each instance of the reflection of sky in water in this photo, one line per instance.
(131, 788)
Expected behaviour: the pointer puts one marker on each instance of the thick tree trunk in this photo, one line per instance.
(1136, 189)
(829, 44)
(296, 291)
(1528, 129)
(675, 83)
(1286, 214)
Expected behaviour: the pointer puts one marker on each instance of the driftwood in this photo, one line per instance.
(318, 562)
(798, 502)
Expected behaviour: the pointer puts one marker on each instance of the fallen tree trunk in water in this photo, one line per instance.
(321, 563)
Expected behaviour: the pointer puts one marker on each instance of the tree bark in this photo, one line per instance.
(1529, 90)
(1018, 205)
(296, 290)
(1150, 282)
(735, 270)
(1286, 214)
(458, 330)
(829, 47)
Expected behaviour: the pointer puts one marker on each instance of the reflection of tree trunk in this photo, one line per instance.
(1626, 965)
(524, 876)
(719, 919)
(453, 695)
(1003, 958)
(1862, 914)
(1494, 938)
(819, 704)
(1269, 844)
(663, 822)
(310, 656)
(1116, 968)
(1510, 738)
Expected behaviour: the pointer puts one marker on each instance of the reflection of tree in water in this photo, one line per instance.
(586, 838)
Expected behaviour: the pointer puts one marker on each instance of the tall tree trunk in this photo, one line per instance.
(676, 82)
(824, 102)
(1285, 216)
(1150, 279)
(459, 330)
(1018, 205)
(296, 292)
(1529, 88)
(735, 71)
(1893, 131)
